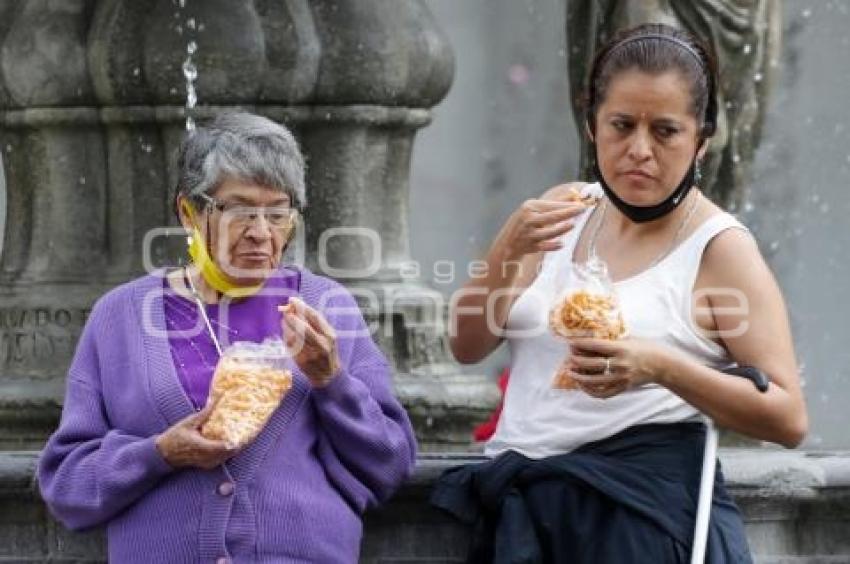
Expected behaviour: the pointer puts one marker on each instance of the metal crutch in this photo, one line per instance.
(709, 464)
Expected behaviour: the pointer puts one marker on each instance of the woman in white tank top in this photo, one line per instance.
(696, 297)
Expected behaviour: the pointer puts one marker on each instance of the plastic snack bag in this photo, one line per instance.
(249, 383)
(588, 307)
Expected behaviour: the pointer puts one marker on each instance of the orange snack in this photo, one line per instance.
(584, 314)
(574, 195)
(245, 392)
(562, 380)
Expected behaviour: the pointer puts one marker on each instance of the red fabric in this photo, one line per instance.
(484, 431)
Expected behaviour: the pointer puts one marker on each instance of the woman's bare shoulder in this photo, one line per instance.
(732, 258)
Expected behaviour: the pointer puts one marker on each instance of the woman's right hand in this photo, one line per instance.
(182, 445)
(538, 224)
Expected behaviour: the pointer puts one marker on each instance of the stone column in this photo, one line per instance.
(91, 111)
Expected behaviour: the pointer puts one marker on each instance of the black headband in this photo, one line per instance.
(680, 42)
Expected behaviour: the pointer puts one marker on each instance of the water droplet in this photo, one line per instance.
(747, 49)
(749, 207)
(774, 246)
(137, 71)
(82, 180)
(807, 13)
(758, 77)
(190, 23)
(190, 71)
(736, 158)
(518, 74)
(191, 47)
(191, 98)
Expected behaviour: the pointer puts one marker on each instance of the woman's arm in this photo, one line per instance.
(750, 318)
(366, 442)
(89, 472)
(752, 321)
(512, 264)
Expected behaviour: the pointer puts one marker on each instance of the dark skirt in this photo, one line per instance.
(630, 498)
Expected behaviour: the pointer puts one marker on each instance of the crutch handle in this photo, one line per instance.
(751, 373)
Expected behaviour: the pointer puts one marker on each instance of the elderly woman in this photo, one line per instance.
(605, 468)
(129, 452)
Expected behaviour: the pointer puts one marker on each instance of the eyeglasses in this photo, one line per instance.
(241, 215)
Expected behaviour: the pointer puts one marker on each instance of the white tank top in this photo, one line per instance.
(540, 421)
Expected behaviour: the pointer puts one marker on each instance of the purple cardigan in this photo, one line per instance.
(295, 494)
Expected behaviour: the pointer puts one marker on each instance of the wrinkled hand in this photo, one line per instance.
(182, 445)
(311, 341)
(603, 368)
(538, 224)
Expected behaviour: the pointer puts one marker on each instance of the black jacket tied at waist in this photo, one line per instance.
(628, 499)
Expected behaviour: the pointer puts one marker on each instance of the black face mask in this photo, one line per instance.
(642, 214)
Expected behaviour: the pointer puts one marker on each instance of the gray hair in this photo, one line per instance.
(242, 146)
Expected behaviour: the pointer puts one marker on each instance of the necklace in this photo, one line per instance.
(592, 254)
(203, 311)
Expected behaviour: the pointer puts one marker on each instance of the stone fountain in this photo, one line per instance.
(92, 106)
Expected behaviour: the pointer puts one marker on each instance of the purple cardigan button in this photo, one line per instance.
(225, 489)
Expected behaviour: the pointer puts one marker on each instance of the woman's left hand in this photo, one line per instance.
(604, 368)
(312, 342)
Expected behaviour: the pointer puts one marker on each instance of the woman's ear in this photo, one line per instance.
(703, 149)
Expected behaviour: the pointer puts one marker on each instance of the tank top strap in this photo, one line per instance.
(691, 250)
(713, 226)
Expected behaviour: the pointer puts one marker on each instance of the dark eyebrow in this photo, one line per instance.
(669, 122)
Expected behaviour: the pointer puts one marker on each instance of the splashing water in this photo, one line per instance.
(190, 71)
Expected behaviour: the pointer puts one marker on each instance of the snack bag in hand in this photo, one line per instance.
(249, 383)
(587, 308)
